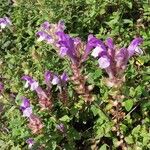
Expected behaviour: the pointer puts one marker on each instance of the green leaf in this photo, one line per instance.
(129, 139)
(103, 147)
(128, 104)
(65, 118)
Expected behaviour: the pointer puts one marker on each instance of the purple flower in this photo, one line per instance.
(30, 142)
(55, 80)
(121, 58)
(96, 51)
(93, 42)
(111, 59)
(34, 86)
(60, 127)
(48, 78)
(27, 112)
(43, 36)
(29, 81)
(1, 87)
(4, 22)
(25, 107)
(66, 46)
(64, 77)
(46, 25)
(51, 78)
(61, 25)
(133, 47)
(25, 103)
(104, 62)
(109, 43)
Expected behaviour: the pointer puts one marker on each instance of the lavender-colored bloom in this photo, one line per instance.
(34, 86)
(133, 47)
(55, 80)
(104, 62)
(49, 39)
(30, 142)
(121, 58)
(25, 103)
(48, 78)
(96, 51)
(63, 51)
(109, 43)
(29, 81)
(27, 112)
(25, 107)
(42, 36)
(61, 25)
(66, 45)
(1, 87)
(93, 42)
(60, 127)
(4, 22)
(45, 26)
(64, 77)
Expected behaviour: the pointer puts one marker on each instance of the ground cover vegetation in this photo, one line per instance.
(74, 75)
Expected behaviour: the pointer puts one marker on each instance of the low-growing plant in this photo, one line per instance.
(82, 102)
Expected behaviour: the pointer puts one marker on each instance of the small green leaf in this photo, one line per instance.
(129, 139)
(128, 104)
(103, 147)
(65, 118)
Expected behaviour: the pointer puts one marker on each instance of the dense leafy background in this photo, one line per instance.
(21, 54)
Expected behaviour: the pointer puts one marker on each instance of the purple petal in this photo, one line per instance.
(133, 46)
(30, 81)
(92, 43)
(122, 57)
(64, 77)
(30, 142)
(34, 86)
(61, 25)
(4, 22)
(27, 112)
(109, 43)
(46, 25)
(48, 76)
(49, 39)
(60, 127)
(7, 20)
(66, 45)
(104, 62)
(55, 80)
(63, 51)
(25, 103)
(1, 87)
(96, 51)
(42, 36)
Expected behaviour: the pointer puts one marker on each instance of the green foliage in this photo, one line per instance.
(86, 126)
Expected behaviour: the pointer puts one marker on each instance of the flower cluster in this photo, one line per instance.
(35, 123)
(75, 49)
(114, 60)
(45, 96)
(4, 22)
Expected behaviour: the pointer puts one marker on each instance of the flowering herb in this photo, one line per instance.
(35, 123)
(73, 48)
(114, 60)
